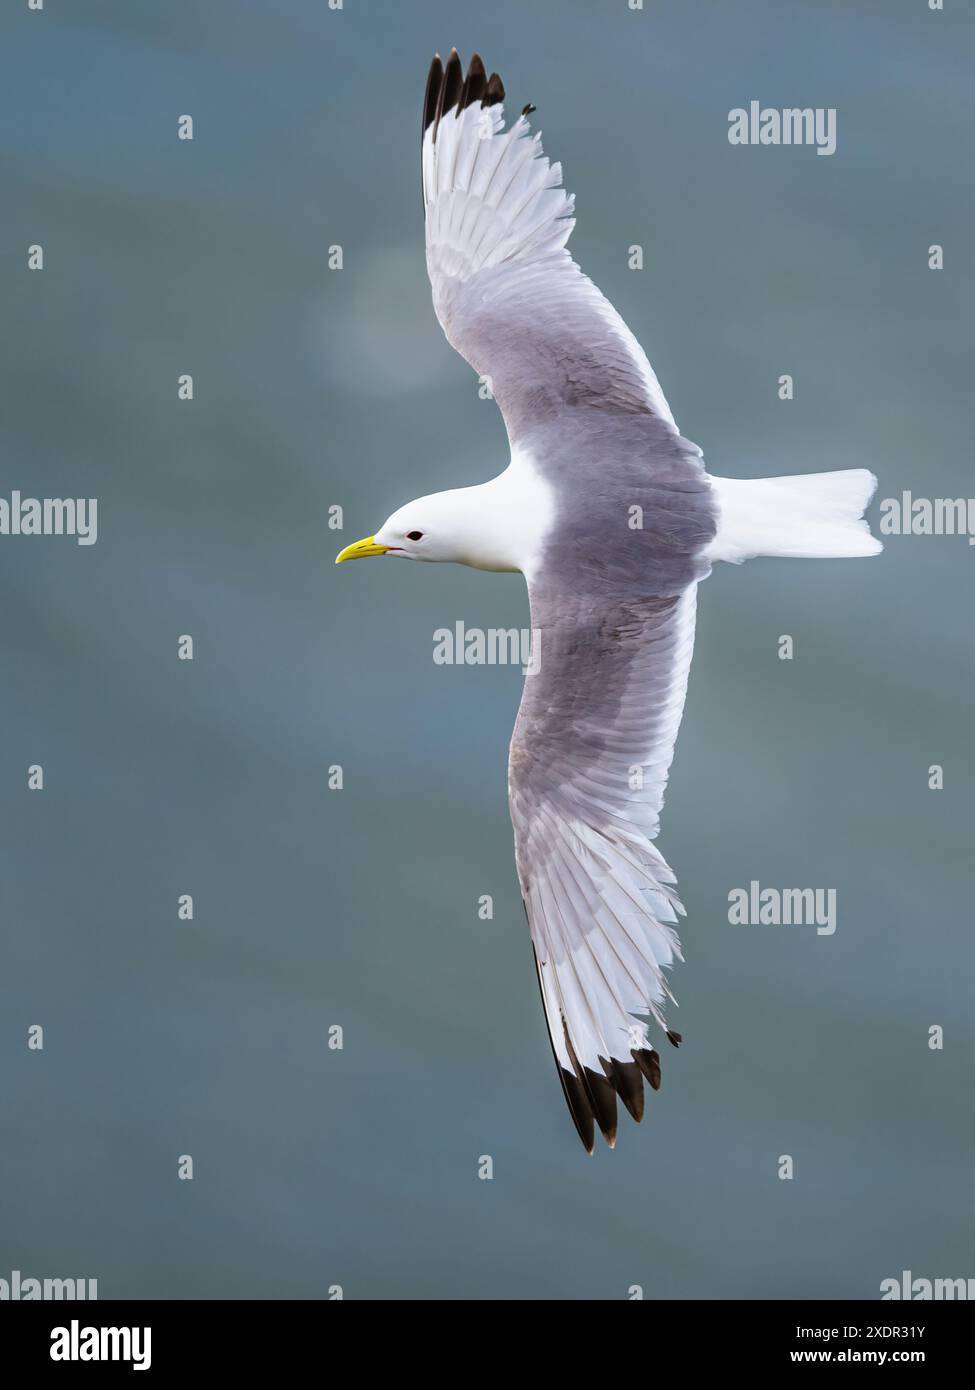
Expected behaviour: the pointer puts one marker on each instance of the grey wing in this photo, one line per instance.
(509, 296)
(589, 761)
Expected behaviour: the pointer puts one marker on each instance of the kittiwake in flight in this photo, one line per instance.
(610, 515)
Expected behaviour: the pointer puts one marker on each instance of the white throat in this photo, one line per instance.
(503, 524)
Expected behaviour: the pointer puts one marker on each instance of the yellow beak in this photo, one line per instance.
(360, 550)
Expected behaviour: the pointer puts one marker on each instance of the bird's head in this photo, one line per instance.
(447, 526)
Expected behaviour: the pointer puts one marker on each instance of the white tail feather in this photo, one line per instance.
(812, 514)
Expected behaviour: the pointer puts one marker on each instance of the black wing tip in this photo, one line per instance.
(602, 1098)
(591, 1096)
(578, 1103)
(627, 1081)
(474, 84)
(673, 1038)
(448, 88)
(527, 110)
(453, 79)
(434, 82)
(648, 1061)
(494, 91)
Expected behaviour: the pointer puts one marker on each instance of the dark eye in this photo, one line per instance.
(414, 535)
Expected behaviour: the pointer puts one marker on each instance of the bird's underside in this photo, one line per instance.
(635, 523)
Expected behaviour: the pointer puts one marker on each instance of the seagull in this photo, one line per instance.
(608, 512)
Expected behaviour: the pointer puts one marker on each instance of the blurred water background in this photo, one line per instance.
(315, 388)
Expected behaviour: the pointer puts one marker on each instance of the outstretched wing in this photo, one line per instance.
(589, 761)
(507, 293)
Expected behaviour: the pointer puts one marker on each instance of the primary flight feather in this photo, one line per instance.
(610, 515)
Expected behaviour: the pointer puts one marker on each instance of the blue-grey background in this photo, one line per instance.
(313, 907)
